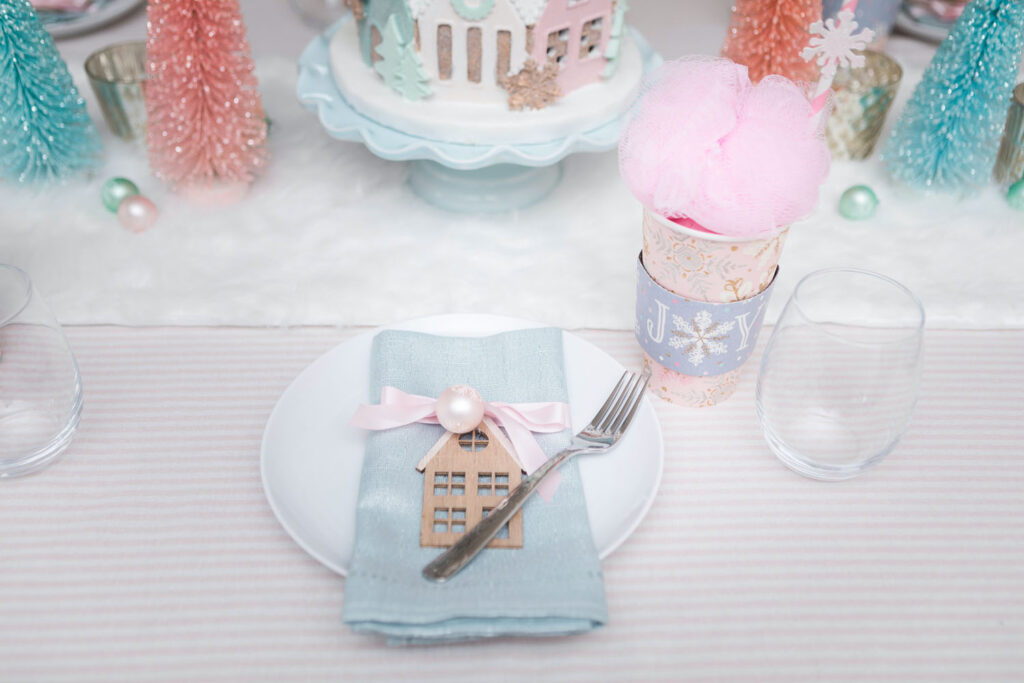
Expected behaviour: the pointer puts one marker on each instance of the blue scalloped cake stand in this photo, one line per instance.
(456, 177)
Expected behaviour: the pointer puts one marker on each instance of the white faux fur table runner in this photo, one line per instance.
(332, 236)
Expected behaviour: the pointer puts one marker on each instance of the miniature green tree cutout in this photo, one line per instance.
(611, 52)
(399, 65)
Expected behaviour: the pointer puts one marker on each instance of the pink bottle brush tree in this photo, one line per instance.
(205, 121)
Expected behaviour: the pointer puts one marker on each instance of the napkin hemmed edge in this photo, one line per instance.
(467, 630)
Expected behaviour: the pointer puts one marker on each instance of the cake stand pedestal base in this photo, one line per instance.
(492, 189)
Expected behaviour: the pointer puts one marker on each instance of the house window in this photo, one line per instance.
(449, 519)
(503, 533)
(590, 38)
(474, 53)
(492, 484)
(558, 46)
(504, 54)
(375, 40)
(444, 52)
(473, 441)
(449, 483)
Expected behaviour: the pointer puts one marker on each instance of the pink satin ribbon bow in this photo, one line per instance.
(519, 420)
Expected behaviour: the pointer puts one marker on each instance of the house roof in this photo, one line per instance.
(528, 10)
(493, 432)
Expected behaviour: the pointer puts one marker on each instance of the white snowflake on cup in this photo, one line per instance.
(837, 42)
(700, 337)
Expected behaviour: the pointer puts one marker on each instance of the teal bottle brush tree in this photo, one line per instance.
(45, 131)
(948, 135)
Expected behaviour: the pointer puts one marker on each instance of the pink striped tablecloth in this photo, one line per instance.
(149, 551)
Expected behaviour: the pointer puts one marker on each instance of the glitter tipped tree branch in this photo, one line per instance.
(766, 36)
(205, 118)
(45, 130)
(948, 136)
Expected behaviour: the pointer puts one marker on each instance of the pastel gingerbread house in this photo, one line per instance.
(468, 49)
(574, 33)
(464, 478)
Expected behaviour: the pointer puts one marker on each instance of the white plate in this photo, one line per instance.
(934, 33)
(109, 12)
(311, 459)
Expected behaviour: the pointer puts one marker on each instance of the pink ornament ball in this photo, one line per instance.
(137, 213)
(460, 409)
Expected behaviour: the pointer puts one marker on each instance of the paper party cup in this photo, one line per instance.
(701, 266)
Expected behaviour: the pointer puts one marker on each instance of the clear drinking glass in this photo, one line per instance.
(841, 371)
(40, 388)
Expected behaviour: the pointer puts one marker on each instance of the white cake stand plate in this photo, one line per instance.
(497, 163)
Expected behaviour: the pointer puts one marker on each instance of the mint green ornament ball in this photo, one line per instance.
(115, 191)
(858, 203)
(1015, 195)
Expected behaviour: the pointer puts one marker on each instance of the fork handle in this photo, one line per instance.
(448, 563)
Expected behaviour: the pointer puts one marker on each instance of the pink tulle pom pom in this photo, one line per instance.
(705, 144)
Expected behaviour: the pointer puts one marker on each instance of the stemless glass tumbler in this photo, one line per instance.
(841, 371)
(40, 388)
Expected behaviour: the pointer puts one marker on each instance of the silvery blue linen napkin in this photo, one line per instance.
(551, 586)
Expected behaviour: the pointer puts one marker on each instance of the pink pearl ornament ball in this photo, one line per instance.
(137, 213)
(460, 409)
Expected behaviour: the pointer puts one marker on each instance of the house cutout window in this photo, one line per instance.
(492, 484)
(444, 52)
(449, 520)
(474, 53)
(558, 46)
(503, 532)
(449, 483)
(473, 441)
(590, 38)
(504, 54)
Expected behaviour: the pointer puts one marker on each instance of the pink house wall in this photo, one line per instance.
(558, 15)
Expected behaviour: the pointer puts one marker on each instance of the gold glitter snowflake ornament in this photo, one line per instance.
(534, 87)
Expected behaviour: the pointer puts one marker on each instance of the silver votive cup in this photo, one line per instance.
(117, 74)
(1010, 162)
(861, 102)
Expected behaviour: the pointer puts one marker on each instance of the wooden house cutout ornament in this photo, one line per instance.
(465, 475)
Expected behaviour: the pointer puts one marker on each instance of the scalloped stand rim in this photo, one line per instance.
(533, 170)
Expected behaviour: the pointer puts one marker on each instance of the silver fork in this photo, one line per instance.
(603, 432)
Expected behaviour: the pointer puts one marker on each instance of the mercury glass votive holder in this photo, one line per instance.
(1010, 162)
(861, 102)
(117, 74)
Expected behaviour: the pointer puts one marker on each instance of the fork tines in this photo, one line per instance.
(617, 412)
